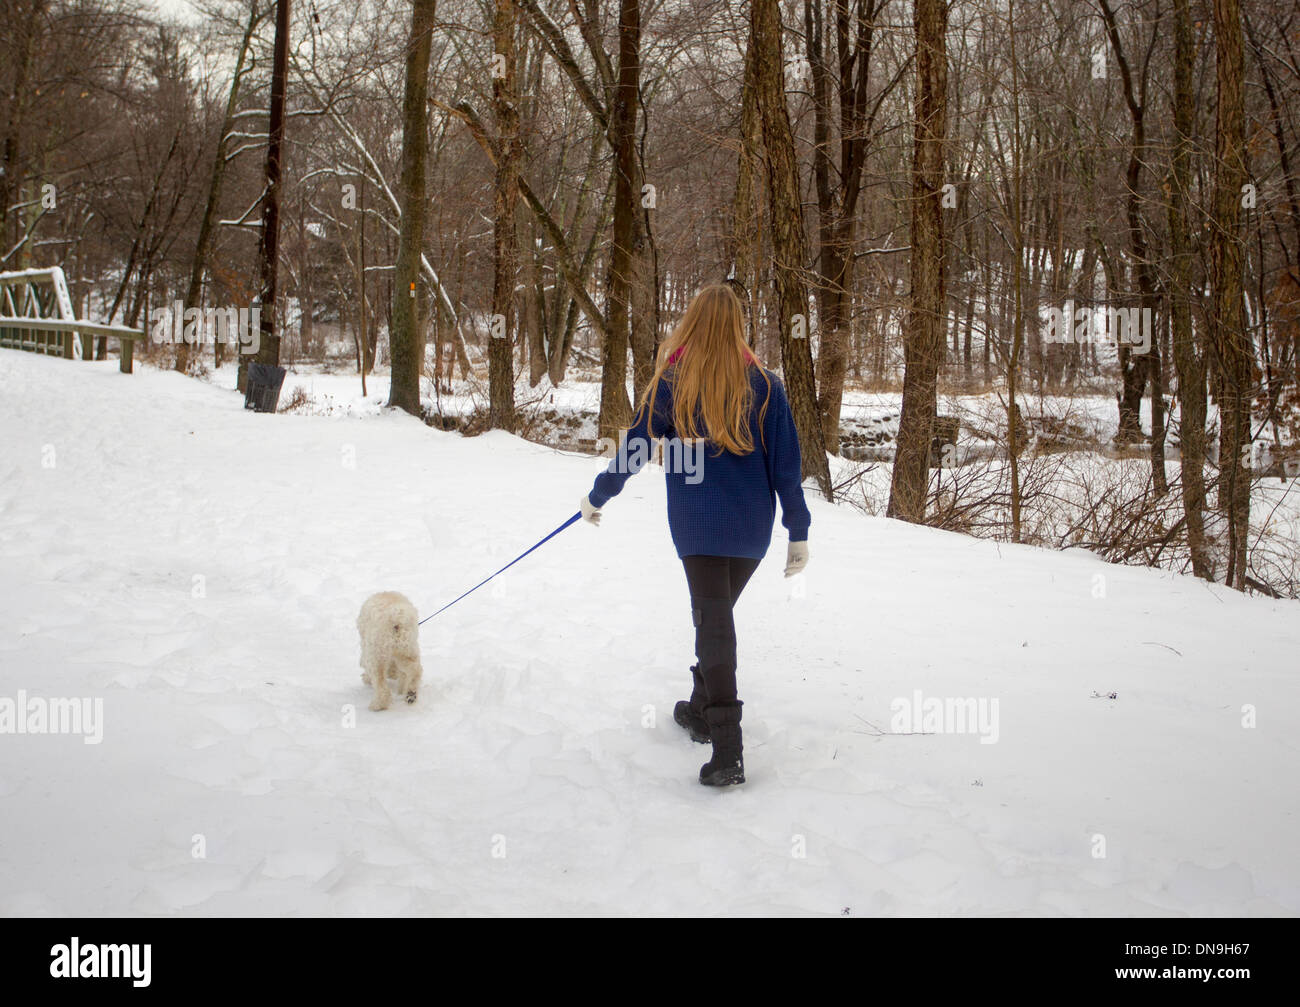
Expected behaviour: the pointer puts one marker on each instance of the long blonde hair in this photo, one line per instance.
(710, 381)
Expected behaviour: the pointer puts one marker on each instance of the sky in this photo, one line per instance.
(181, 9)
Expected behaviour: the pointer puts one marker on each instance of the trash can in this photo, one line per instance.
(263, 387)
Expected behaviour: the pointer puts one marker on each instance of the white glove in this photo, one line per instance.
(589, 513)
(796, 558)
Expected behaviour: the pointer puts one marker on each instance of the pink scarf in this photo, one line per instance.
(676, 355)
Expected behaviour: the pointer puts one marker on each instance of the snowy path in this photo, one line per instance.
(224, 695)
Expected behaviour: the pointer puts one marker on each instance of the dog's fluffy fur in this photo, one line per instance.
(390, 646)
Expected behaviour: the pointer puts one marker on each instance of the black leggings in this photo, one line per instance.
(715, 583)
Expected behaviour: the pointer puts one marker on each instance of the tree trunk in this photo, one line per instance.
(785, 212)
(1189, 363)
(615, 409)
(1135, 368)
(268, 350)
(1230, 340)
(924, 338)
(406, 337)
(365, 353)
(854, 34)
(643, 295)
(505, 248)
(1014, 418)
(747, 212)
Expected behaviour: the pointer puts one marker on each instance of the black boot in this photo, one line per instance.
(727, 767)
(689, 713)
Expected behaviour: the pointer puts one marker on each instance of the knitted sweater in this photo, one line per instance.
(719, 503)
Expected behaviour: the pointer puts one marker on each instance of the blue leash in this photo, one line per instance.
(505, 568)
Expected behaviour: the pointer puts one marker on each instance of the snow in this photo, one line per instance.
(1091, 419)
(199, 568)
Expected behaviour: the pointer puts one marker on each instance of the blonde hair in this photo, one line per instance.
(711, 377)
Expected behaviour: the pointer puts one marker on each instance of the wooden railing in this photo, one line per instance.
(36, 315)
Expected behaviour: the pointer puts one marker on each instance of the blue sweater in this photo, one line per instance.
(719, 504)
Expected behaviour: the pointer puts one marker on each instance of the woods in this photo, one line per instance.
(1029, 270)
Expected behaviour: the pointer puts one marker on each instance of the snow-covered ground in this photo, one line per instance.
(336, 391)
(566, 415)
(198, 569)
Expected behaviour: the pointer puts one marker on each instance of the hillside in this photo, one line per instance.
(199, 568)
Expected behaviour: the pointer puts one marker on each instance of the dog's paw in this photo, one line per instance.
(365, 678)
(376, 705)
(410, 696)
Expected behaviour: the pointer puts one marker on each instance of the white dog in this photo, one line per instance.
(390, 646)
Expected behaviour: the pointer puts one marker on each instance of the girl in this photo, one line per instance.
(708, 384)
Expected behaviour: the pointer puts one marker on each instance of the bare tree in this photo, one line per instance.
(785, 211)
(505, 251)
(406, 338)
(924, 337)
(203, 247)
(615, 410)
(1231, 343)
(1189, 361)
(838, 180)
(268, 350)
